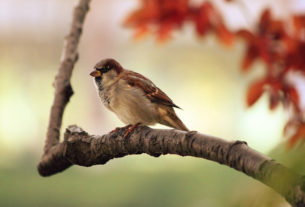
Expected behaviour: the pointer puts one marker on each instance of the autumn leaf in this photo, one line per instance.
(148, 11)
(201, 20)
(224, 35)
(246, 35)
(274, 99)
(299, 23)
(250, 56)
(279, 46)
(140, 32)
(264, 22)
(255, 91)
(292, 94)
(164, 32)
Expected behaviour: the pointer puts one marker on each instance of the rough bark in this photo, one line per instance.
(83, 149)
(63, 89)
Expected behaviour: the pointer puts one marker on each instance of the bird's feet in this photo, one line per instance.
(118, 128)
(130, 129)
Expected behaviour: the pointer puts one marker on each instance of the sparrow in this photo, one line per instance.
(133, 98)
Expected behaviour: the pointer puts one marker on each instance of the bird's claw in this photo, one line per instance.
(114, 130)
(118, 128)
(130, 129)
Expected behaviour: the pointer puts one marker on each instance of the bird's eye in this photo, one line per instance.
(105, 69)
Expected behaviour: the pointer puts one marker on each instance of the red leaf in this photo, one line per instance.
(148, 11)
(164, 32)
(163, 15)
(224, 35)
(202, 25)
(276, 86)
(140, 32)
(201, 20)
(264, 21)
(251, 54)
(295, 58)
(245, 34)
(254, 92)
(292, 94)
(274, 99)
(299, 23)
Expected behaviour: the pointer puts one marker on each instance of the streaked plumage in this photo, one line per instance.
(133, 97)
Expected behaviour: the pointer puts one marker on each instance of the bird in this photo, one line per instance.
(135, 99)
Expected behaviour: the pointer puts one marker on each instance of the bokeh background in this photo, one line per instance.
(200, 75)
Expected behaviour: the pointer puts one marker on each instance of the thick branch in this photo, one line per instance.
(63, 89)
(83, 149)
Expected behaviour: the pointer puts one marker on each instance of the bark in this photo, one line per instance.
(63, 89)
(80, 148)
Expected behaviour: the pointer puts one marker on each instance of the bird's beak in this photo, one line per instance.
(96, 73)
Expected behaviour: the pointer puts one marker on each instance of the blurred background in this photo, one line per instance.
(201, 76)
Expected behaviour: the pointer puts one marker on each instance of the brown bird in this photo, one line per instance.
(133, 98)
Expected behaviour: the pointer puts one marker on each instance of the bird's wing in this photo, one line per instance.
(152, 92)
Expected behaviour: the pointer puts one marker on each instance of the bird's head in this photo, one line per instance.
(106, 70)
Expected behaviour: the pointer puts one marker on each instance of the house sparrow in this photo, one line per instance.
(133, 97)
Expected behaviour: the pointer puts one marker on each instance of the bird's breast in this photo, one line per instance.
(132, 106)
(129, 103)
(105, 98)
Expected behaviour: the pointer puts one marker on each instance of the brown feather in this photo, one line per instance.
(169, 118)
(153, 93)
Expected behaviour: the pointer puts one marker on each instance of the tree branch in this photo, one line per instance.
(80, 148)
(63, 89)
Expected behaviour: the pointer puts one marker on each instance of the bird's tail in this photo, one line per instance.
(172, 120)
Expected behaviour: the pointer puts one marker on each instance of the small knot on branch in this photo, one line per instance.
(74, 130)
